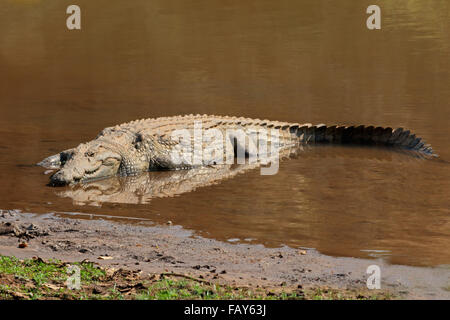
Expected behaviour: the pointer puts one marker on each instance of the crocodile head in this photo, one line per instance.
(88, 161)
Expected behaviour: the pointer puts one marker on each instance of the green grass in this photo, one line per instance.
(169, 289)
(32, 275)
(334, 294)
(38, 279)
(46, 271)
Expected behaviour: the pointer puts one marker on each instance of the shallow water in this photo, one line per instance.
(301, 62)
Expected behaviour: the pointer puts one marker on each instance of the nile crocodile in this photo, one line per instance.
(149, 144)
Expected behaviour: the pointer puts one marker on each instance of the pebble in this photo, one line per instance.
(23, 245)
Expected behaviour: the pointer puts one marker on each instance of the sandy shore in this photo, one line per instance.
(157, 249)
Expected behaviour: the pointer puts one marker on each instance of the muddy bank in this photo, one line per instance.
(159, 249)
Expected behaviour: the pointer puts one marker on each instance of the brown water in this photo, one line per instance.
(300, 61)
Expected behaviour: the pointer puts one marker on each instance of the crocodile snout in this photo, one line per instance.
(62, 178)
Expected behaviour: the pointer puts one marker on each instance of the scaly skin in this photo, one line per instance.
(148, 144)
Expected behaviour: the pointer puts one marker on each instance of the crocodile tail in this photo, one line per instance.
(361, 135)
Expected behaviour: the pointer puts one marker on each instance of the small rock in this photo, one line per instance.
(96, 290)
(8, 228)
(32, 227)
(23, 245)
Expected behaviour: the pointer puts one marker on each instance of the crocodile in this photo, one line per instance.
(150, 144)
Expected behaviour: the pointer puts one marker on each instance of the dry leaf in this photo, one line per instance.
(105, 258)
(51, 286)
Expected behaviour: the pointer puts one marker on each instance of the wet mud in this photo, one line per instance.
(159, 249)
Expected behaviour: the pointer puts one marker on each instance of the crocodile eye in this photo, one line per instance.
(89, 154)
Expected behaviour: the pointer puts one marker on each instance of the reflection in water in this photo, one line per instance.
(347, 201)
(297, 61)
(142, 188)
